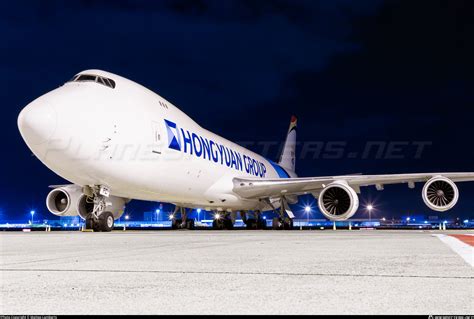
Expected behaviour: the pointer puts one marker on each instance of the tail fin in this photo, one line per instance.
(287, 157)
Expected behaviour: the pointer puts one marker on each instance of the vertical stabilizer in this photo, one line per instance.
(287, 157)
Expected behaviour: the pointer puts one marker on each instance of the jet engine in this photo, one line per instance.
(338, 201)
(440, 194)
(114, 205)
(62, 201)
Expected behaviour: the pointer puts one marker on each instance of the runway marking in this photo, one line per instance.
(468, 239)
(461, 245)
(234, 273)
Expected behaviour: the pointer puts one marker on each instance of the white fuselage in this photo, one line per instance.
(122, 137)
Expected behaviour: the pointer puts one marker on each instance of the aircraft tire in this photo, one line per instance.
(228, 224)
(250, 223)
(288, 224)
(106, 222)
(276, 223)
(190, 224)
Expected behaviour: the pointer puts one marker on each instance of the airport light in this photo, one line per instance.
(307, 210)
(127, 217)
(157, 214)
(369, 209)
(384, 219)
(217, 216)
(171, 216)
(199, 213)
(32, 216)
(466, 221)
(408, 219)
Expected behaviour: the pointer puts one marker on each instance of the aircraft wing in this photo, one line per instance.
(265, 188)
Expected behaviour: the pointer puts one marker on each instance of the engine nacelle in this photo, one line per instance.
(114, 205)
(440, 194)
(62, 201)
(338, 201)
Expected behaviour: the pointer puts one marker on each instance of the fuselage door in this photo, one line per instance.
(157, 139)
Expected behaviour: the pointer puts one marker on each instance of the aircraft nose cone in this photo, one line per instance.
(37, 122)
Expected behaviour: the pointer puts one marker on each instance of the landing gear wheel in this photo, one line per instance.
(217, 224)
(261, 223)
(250, 223)
(276, 223)
(288, 224)
(177, 224)
(228, 224)
(174, 224)
(106, 222)
(190, 224)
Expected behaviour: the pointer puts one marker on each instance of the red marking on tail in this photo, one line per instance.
(293, 119)
(464, 238)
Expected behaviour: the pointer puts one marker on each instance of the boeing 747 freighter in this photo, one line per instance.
(114, 141)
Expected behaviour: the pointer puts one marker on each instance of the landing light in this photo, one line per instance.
(370, 207)
(307, 209)
(171, 216)
(217, 216)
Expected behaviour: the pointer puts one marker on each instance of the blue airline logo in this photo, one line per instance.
(191, 143)
(173, 135)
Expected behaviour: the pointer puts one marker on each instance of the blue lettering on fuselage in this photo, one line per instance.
(205, 148)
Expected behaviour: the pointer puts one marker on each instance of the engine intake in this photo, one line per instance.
(62, 201)
(440, 194)
(338, 201)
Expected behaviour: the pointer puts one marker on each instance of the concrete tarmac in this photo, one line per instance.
(233, 272)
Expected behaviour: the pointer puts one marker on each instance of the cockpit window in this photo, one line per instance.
(94, 78)
(86, 78)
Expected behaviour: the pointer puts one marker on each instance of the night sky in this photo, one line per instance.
(353, 72)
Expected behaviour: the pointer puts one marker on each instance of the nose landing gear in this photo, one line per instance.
(99, 219)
